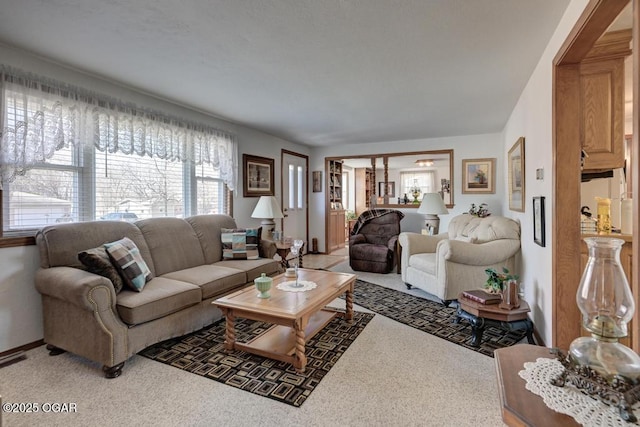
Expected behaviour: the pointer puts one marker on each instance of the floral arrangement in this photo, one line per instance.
(481, 211)
(496, 281)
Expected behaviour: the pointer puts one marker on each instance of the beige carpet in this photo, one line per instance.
(391, 375)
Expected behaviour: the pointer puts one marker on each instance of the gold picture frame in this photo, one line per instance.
(257, 176)
(479, 176)
(516, 182)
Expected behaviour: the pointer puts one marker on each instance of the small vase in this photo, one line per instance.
(510, 298)
(263, 285)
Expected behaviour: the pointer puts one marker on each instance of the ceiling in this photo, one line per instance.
(316, 72)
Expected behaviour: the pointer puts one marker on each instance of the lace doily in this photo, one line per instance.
(568, 400)
(290, 286)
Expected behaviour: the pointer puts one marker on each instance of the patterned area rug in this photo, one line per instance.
(202, 353)
(430, 317)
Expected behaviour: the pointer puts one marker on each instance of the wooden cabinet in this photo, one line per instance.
(335, 232)
(336, 224)
(602, 99)
(363, 185)
(335, 184)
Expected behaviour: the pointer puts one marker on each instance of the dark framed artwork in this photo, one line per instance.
(538, 220)
(516, 176)
(257, 176)
(391, 188)
(478, 176)
(317, 181)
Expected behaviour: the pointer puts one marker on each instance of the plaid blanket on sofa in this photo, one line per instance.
(367, 216)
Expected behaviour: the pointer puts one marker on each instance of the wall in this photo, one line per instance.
(532, 118)
(464, 147)
(20, 308)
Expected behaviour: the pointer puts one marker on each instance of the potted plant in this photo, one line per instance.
(495, 283)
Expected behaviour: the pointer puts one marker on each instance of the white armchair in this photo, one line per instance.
(447, 264)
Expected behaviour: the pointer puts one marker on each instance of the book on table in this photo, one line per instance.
(478, 295)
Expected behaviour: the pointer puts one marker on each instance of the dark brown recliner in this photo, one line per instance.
(372, 244)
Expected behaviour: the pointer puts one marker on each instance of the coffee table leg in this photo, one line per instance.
(230, 333)
(348, 315)
(300, 360)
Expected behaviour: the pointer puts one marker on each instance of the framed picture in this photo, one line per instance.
(516, 176)
(391, 188)
(257, 176)
(538, 220)
(317, 181)
(478, 176)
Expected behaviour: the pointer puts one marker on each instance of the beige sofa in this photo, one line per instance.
(84, 315)
(447, 264)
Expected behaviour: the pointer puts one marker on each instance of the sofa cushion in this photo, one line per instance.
(60, 244)
(173, 244)
(97, 261)
(425, 262)
(207, 229)
(161, 297)
(253, 267)
(239, 243)
(212, 280)
(127, 259)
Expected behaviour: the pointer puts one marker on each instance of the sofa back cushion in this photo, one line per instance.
(380, 230)
(208, 229)
(482, 230)
(173, 244)
(60, 244)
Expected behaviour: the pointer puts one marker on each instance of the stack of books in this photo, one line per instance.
(482, 297)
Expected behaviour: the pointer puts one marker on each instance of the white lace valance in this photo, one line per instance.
(41, 116)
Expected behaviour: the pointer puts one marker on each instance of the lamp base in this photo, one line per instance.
(432, 224)
(616, 391)
(268, 225)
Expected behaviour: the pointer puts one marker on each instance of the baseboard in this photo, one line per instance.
(25, 347)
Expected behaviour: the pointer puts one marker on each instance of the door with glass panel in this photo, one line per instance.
(294, 195)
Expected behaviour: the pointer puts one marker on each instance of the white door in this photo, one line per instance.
(294, 197)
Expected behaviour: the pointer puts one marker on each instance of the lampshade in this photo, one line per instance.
(432, 205)
(267, 208)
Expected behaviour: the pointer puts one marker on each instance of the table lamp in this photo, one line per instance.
(432, 205)
(267, 209)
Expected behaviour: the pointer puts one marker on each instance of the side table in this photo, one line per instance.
(284, 249)
(481, 315)
(520, 407)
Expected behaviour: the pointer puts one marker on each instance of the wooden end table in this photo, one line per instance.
(482, 315)
(284, 249)
(296, 316)
(520, 407)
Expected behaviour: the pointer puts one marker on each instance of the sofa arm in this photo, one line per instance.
(357, 239)
(81, 288)
(267, 249)
(414, 243)
(391, 244)
(481, 254)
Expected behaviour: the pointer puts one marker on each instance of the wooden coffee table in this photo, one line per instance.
(481, 315)
(297, 316)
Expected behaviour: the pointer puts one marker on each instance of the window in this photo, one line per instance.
(424, 181)
(122, 165)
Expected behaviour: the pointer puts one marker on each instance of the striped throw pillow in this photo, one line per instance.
(240, 243)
